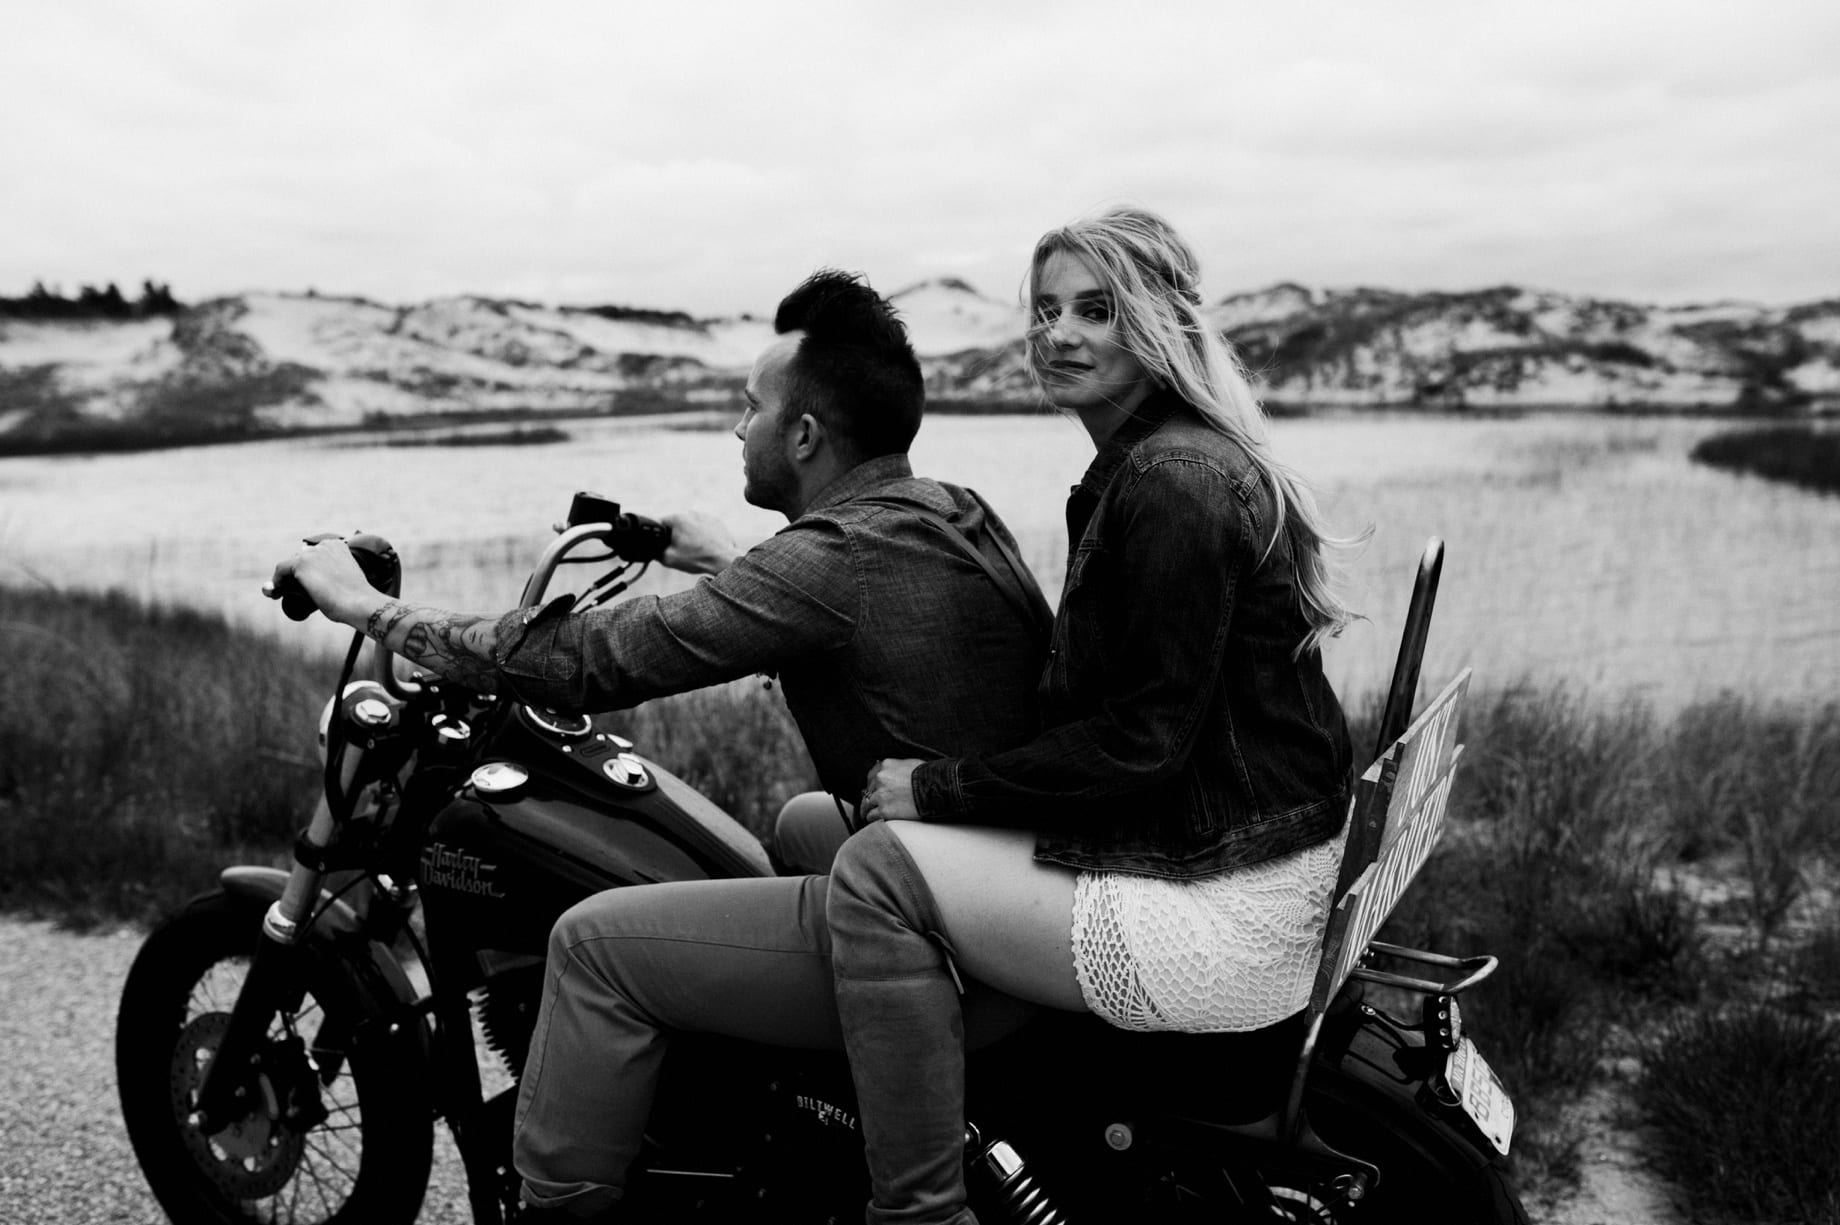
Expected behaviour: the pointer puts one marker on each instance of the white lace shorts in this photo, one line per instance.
(1232, 951)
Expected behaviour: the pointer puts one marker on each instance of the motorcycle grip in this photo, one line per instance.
(634, 537)
(637, 538)
(375, 557)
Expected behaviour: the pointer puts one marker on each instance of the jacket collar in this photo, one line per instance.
(861, 479)
(1156, 409)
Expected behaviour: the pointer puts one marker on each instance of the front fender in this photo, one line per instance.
(337, 932)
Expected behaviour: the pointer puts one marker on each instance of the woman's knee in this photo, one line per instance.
(882, 917)
(873, 864)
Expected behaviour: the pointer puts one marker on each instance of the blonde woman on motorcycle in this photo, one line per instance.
(1163, 853)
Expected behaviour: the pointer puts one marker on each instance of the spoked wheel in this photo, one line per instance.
(327, 1130)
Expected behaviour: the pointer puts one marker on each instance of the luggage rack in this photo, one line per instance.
(1474, 969)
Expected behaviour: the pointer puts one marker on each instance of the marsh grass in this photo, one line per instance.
(143, 748)
(1747, 1102)
(519, 436)
(1800, 454)
(1814, 968)
(1576, 830)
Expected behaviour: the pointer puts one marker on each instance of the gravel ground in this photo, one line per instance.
(64, 1157)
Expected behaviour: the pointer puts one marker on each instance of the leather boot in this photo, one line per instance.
(898, 999)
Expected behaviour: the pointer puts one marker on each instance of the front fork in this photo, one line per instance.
(274, 984)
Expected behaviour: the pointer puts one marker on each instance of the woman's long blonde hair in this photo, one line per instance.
(1154, 280)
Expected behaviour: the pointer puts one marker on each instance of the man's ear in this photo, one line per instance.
(808, 436)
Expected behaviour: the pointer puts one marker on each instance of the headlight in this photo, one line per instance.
(367, 705)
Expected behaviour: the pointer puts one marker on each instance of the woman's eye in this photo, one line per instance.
(1097, 312)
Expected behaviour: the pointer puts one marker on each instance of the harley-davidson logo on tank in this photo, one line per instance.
(449, 869)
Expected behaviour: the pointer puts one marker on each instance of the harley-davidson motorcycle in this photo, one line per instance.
(286, 1043)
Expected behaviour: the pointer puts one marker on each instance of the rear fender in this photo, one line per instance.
(1372, 1085)
(1382, 1075)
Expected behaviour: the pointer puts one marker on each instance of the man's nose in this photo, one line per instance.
(741, 425)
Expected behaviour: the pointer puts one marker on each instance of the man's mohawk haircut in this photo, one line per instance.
(834, 307)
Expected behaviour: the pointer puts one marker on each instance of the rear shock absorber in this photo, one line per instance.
(1023, 1199)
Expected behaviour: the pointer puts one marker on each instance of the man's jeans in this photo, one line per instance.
(746, 958)
(743, 958)
(810, 829)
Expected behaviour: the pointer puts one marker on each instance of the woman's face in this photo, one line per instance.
(1076, 343)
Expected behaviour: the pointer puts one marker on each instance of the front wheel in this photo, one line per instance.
(331, 1131)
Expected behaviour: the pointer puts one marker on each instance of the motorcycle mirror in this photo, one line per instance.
(589, 507)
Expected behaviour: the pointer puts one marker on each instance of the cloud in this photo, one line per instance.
(706, 155)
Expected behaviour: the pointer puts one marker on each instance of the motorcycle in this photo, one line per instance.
(286, 1043)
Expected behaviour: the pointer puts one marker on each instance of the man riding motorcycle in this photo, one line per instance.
(899, 622)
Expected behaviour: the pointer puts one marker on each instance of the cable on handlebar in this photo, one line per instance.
(335, 744)
(609, 585)
(609, 555)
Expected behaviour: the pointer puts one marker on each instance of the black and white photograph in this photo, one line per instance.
(934, 614)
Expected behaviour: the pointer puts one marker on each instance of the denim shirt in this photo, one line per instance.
(887, 639)
(1182, 736)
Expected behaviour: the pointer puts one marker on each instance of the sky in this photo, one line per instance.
(706, 156)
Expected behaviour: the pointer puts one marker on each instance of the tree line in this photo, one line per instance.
(92, 303)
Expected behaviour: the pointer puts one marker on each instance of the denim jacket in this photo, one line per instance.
(1182, 736)
(887, 639)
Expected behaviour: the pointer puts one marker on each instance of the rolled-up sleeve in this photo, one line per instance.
(793, 594)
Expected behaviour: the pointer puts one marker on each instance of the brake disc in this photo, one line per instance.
(1292, 1204)
(255, 1155)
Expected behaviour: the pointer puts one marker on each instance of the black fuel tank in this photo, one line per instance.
(511, 852)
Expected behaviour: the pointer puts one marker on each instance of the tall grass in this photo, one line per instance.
(1577, 832)
(143, 748)
(1799, 454)
(1748, 1106)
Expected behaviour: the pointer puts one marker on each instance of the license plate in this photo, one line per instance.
(1480, 1094)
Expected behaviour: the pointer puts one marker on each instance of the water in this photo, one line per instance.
(1586, 551)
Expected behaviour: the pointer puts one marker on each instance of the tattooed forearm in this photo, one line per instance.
(457, 646)
(387, 617)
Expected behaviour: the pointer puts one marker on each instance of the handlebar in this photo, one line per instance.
(633, 538)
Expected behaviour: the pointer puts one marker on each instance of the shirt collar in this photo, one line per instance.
(860, 479)
(1156, 409)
